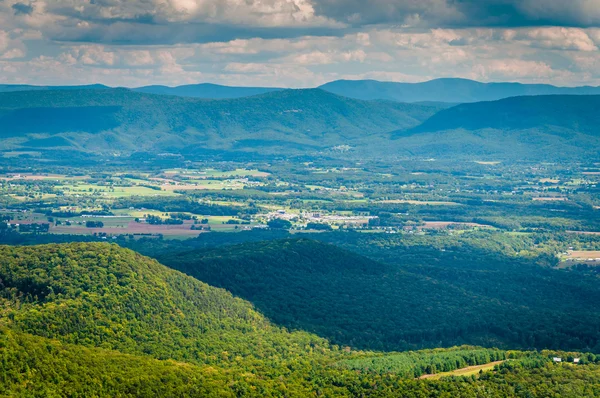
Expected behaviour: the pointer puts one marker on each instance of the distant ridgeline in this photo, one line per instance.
(363, 118)
(95, 319)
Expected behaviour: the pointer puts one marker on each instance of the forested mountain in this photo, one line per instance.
(296, 122)
(72, 311)
(124, 121)
(450, 298)
(532, 128)
(446, 90)
(552, 113)
(450, 90)
(95, 319)
(206, 90)
(132, 304)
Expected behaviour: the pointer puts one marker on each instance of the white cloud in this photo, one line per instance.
(13, 53)
(31, 52)
(559, 38)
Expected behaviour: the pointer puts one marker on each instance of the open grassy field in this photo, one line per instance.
(111, 192)
(584, 254)
(468, 371)
(212, 173)
(551, 199)
(419, 202)
(487, 163)
(129, 228)
(572, 258)
(446, 224)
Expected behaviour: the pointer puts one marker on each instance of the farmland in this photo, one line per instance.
(406, 197)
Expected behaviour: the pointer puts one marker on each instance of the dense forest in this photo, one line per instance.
(408, 293)
(462, 297)
(88, 318)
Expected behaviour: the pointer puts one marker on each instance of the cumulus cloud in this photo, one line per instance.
(463, 13)
(298, 42)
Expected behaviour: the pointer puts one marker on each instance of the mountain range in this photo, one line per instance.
(450, 90)
(295, 122)
(122, 121)
(447, 90)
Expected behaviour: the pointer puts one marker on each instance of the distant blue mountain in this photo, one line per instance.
(9, 88)
(446, 90)
(206, 90)
(449, 91)
(562, 114)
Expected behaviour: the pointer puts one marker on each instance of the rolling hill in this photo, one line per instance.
(93, 319)
(101, 295)
(459, 298)
(534, 128)
(9, 88)
(97, 317)
(75, 123)
(119, 120)
(446, 90)
(574, 113)
(207, 91)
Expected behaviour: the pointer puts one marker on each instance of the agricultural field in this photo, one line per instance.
(468, 371)
(574, 257)
(408, 197)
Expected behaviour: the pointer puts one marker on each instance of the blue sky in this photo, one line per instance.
(297, 43)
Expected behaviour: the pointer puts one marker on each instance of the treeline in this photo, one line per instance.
(414, 364)
(186, 204)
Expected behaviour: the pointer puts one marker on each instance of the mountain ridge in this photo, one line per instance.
(523, 112)
(448, 90)
(104, 120)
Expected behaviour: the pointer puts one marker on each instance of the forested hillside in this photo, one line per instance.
(206, 90)
(425, 298)
(95, 319)
(570, 113)
(118, 122)
(101, 295)
(123, 121)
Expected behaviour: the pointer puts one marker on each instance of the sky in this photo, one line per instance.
(297, 43)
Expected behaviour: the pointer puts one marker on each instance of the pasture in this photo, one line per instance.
(468, 371)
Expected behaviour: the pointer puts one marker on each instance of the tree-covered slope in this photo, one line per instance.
(446, 90)
(34, 366)
(297, 122)
(445, 299)
(119, 120)
(97, 320)
(206, 90)
(521, 128)
(101, 295)
(574, 113)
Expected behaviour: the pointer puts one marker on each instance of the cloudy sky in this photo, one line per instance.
(297, 43)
